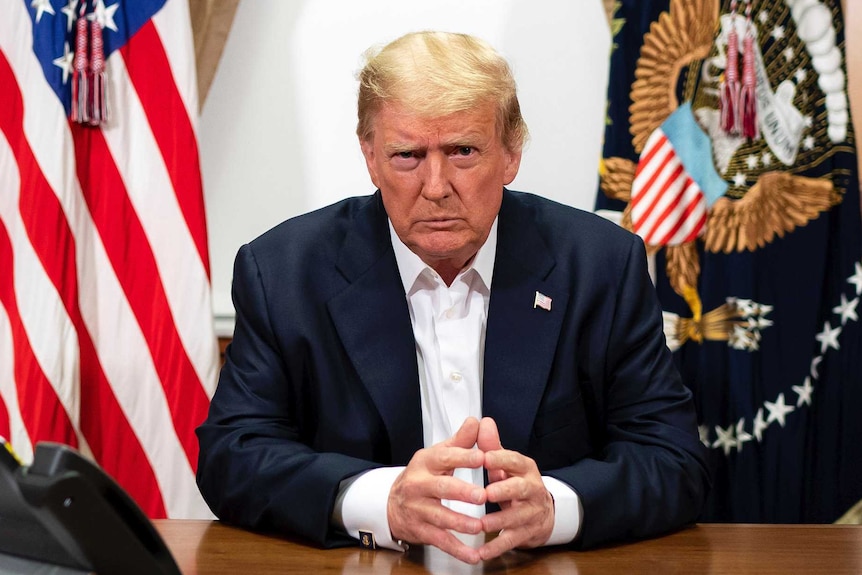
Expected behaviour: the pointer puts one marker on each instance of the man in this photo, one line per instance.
(391, 350)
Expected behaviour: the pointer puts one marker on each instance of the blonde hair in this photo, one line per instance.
(436, 74)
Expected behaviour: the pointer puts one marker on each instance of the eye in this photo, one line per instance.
(405, 155)
(465, 150)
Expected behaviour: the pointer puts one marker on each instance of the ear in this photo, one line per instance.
(368, 152)
(513, 164)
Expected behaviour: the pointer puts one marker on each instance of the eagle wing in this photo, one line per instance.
(680, 36)
(778, 203)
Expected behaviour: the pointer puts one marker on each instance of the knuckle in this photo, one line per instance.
(441, 487)
(444, 458)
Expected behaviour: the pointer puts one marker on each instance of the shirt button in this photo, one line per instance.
(456, 376)
(450, 313)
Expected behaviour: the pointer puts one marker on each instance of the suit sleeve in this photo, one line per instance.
(255, 468)
(649, 473)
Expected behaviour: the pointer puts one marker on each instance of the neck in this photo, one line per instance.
(448, 270)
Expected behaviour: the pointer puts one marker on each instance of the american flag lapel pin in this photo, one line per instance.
(542, 301)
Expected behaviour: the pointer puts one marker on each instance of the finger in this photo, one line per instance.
(451, 488)
(489, 440)
(432, 514)
(448, 543)
(511, 462)
(443, 459)
(419, 482)
(425, 533)
(414, 519)
(505, 541)
(466, 435)
(518, 516)
(489, 436)
(520, 526)
(523, 537)
(516, 489)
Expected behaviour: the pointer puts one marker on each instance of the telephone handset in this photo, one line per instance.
(64, 510)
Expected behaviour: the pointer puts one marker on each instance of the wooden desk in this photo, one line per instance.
(210, 548)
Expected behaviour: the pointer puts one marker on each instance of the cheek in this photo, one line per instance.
(399, 205)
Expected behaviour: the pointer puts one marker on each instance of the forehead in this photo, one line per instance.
(395, 121)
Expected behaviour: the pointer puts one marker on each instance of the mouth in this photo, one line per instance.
(439, 223)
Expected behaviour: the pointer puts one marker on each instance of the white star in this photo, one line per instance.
(815, 362)
(69, 11)
(778, 410)
(745, 307)
(763, 323)
(751, 161)
(808, 120)
(41, 7)
(828, 337)
(800, 75)
(804, 392)
(725, 438)
(808, 143)
(765, 309)
(738, 338)
(766, 159)
(788, 54)
(759, 425)
(104, 16)
(739, 179)
(703, 432)
(778, 32)
(763, 17)
(65, 61)
(856, 279)
(741, 435)
(847, 309)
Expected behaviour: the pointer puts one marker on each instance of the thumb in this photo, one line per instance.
(466, 435)
(489, 440)
(488, 437)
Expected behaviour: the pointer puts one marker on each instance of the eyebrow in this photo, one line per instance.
(398, 147)
(471, 138)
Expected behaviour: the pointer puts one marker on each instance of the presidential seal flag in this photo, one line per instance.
(761, 292)
(106, 335)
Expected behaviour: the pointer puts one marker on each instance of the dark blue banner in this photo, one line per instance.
(761, 308)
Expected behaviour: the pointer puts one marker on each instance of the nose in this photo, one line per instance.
(436, 184)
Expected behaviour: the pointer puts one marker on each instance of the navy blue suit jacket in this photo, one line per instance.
(321, 379)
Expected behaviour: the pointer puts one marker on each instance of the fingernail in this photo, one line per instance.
(477, 495)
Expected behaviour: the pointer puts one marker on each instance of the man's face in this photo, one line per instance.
(441, 179)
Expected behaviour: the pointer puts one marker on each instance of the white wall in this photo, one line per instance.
(277, 131)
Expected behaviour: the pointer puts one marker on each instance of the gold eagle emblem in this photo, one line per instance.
(776, 204)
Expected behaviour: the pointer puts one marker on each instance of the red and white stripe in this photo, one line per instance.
(106, 336)
(667, 206)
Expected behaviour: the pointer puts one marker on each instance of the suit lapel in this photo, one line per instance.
(373, 321)
(521, 339)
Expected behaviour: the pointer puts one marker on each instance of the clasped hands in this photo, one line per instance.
(416, 514)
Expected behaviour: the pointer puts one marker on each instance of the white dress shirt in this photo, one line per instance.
(449, 328)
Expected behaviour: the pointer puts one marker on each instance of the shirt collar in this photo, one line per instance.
(410, 266)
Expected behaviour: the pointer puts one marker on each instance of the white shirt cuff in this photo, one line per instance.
(361, 505)
(568, 512)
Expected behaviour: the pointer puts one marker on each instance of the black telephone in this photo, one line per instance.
(64, 510)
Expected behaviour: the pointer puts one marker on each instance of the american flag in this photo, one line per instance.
(106, 335)
(675, 182)
(542, 301)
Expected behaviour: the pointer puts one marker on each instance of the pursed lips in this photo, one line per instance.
(439, 223)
